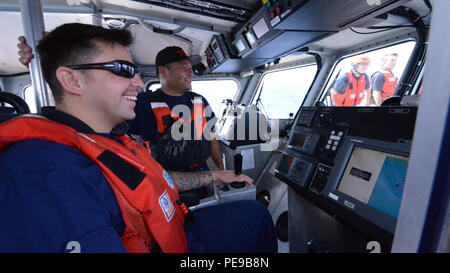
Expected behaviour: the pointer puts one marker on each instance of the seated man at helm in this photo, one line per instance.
(155, 116)
(70, 182)
(158, 113)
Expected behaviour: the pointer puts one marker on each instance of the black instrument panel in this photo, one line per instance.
(345, 159)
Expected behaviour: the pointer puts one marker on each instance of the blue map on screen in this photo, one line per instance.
(387, 193)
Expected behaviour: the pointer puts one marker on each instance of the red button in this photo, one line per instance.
(277, 9)
(272, 15)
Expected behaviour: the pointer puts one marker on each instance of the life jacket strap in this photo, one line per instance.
(188, 214)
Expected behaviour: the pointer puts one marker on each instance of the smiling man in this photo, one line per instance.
(68, 179)
(158, 114)
(154, 116)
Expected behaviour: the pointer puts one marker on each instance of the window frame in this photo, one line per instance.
(419, 82)
(353, 54)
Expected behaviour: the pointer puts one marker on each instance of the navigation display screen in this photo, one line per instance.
(375, 178)
(285, 164)
(299, 140)
(260, 28)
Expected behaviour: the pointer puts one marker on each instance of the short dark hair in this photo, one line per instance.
(72, 44)
(383, 59)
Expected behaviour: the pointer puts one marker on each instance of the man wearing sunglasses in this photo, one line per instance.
(72, 183)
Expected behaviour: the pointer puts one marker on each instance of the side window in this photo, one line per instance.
(153, 86)
(30, 98)
(282, 92)
(214, 91)
(381, 70)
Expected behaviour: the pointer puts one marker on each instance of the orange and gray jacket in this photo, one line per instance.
(354, 92)
(175, 151)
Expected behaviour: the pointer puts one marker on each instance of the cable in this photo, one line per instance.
(373, 32)
(428, 4)
(203, 8)
(386, 28)
(151, 28)
(393, 27)
(14, 75)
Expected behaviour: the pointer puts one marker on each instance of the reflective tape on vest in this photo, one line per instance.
(158, 105)
(197, 100)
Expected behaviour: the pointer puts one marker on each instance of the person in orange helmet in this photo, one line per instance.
(351, 88)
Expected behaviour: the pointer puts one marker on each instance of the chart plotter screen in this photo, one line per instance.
(375, 178)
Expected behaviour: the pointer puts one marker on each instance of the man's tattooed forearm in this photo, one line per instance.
(190, 181)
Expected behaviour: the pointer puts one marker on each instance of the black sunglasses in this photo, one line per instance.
(118, 67)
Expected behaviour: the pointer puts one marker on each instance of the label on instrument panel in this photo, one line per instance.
(333, 196)
(275, 21)
(285, 13)
(349, 204)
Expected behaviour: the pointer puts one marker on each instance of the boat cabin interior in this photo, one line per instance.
(370, 174)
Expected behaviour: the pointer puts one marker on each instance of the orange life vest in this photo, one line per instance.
(390, 83)
(179, 154)
(354, 93)
(145, 192)
(163, 113)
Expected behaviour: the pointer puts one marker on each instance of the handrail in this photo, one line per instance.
(34, 29)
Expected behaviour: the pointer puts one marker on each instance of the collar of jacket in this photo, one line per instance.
(61, 117)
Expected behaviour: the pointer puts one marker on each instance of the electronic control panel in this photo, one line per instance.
(304, 141)
(217, 53)
(278, 9)
(256, 32)
(258, 39)
(351, 162)
(321, 14)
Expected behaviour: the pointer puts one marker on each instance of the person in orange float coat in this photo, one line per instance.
(384, 82)
(351, 88)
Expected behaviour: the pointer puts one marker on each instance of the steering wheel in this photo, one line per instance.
(15, 101)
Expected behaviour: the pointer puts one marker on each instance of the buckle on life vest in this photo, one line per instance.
(188, 214)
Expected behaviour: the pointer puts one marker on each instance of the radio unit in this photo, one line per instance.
(217, 53)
